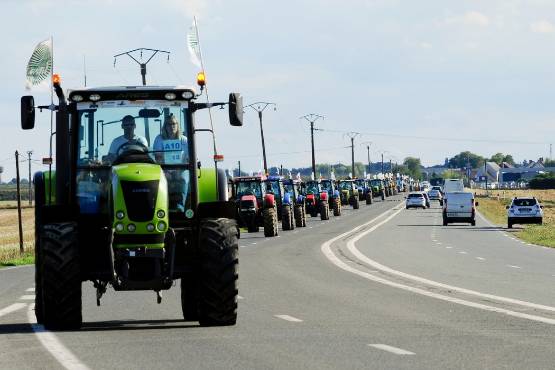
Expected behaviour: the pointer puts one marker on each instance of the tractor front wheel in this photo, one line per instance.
(336, 207)
(218, 274)
(61, 276)
(369, 198)
(299, 214)
(270, 222)
(356, 203)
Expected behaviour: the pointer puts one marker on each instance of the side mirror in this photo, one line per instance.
(27, 112)
(477, 204)
(235, 109)
(541, 207)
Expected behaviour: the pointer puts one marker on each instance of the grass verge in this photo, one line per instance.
(15, 259)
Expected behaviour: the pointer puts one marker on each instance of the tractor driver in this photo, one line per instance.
(128, 125)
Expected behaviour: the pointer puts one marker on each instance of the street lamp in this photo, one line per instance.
(367, 144)
(312, 117)
(260, 107)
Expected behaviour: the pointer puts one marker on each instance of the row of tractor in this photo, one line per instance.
(265, 201)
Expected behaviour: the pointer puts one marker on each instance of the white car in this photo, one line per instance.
(524, 211)
(435, 194)
(416, 200)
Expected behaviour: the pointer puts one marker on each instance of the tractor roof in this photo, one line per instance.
(132, 93)
(249, 178)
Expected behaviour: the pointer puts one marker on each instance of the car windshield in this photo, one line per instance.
(249, 188)
(524, 202)
(112, 132)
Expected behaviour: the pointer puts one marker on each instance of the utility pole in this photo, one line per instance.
(30, 190)
(141, 63)
(368, 143)
(550, 152)
(390, 166)
(352, 135)
(312, 117)
(382, 164)
(18, 203)
(259, 107)
(239, 163)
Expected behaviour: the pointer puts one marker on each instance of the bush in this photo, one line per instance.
(543, 181)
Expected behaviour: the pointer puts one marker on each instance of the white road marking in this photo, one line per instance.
(288, 318)
(395, 350)
(49, 341)
(480, 258)
(242, 246)
(310, 227)
(27, 297)
(12, 308)
(448, 247)
(462, 252)
(326, 250)
(515, 267)
(240, 297)
(439, 243)
(30, 290)
(253, 243)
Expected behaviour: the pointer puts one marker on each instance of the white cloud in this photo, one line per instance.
(425, 45)
(542, 26)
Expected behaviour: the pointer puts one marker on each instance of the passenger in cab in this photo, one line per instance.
(170, 147)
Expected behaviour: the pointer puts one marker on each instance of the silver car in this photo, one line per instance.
(416, 200)
(524, 211)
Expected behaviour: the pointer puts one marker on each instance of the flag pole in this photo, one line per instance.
(51, 119)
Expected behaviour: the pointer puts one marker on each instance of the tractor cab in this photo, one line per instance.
(349, 193)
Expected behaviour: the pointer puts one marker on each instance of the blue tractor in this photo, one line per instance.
(293, 194)
(283, 201)
(330, 186)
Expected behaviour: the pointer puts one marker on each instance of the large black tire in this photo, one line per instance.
(473, 222)
(304, 215)
(218, 273)
(445, 223)
(298, 211)
(61, 277)
(336, 205)
(39, 202)
(252, 227)
(287, 222)
(270, 222)
(356, 203)
(324, 211)
(369, 198)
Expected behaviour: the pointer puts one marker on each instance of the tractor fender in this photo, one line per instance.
(336, 193)
(250, 198)
(269, 201)
(323, 195)
(310, 198)
(300, 199)
(287, 199)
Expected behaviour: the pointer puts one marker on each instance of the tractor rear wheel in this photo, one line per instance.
(336, 207)
(383, 194)
(270, 222)
(286, 218)
(217, 288)
(324, 211)
(61, 276)
(303, 215)
(252, 227)
(369, 198)
(356, 203)
(298, 211)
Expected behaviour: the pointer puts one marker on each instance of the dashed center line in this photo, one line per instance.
(288, 318)
(480, 258)
(448, 247)
(462, 252)
(30, 290)
(515, 267)
(391, 349)
(12, 308)
(27, 297)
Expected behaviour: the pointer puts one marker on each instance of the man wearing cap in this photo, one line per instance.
(128, 125)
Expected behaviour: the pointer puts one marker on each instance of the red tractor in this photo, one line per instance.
(255, 206)
(316, 199)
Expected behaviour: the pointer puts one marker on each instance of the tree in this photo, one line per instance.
(414, 167)
(509, 159)
(452, 174)
(462, 160)
(549, 163)
(497, 158)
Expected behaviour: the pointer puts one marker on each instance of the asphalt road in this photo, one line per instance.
(399, 292)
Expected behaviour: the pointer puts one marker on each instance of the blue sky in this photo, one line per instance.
(478, 73)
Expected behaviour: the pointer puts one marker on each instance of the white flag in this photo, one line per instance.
(39, 67)
(193, 45)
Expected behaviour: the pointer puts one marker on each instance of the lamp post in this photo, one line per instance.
(312, 117)
(260, 107)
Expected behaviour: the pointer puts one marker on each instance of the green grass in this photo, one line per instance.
(28, 258)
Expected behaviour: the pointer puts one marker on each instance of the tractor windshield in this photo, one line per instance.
(327, 186)
(312, 187)
(360, 183)
(249, 188)
(275, 188)
(115, 132)
(345, 185)
(376, 182)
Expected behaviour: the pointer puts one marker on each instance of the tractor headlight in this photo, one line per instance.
(187, 95)
(150, 227)
(161, 226)
(131, 228)
(77, 98)
(160, 214)
(94, 97)
(169, 96)
(120, 215)
(119, 226)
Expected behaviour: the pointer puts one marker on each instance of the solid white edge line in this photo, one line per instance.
(326, 250)
(352, 248)
(395, 350)
(288, 318)
(12, 308)
(30, 290)
(51, 343)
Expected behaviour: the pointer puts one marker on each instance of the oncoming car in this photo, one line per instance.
(416, 200)
(524, 211)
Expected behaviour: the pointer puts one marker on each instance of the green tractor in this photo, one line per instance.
(133, 211)
(378, 188)
(364, 190)
(349, 193)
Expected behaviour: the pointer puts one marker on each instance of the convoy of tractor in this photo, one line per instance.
(140, 212)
